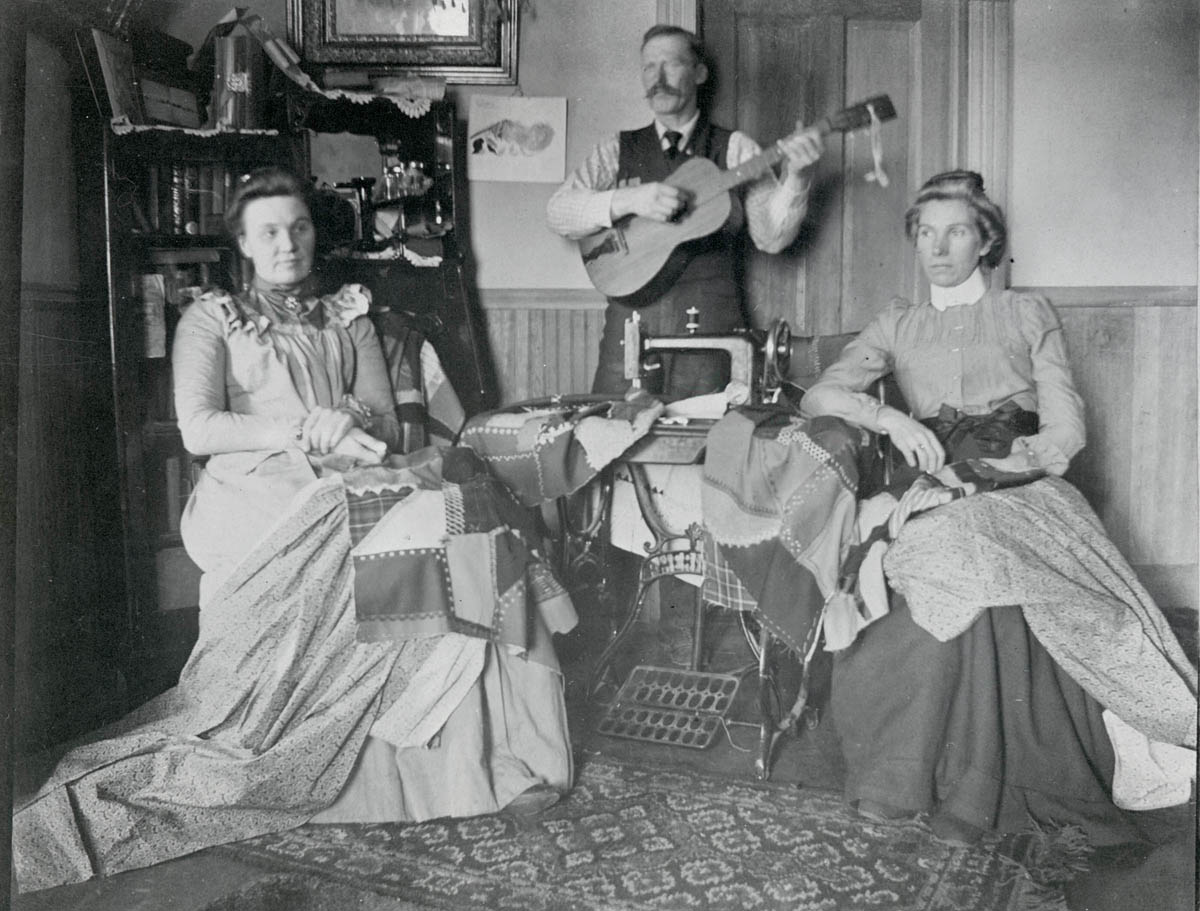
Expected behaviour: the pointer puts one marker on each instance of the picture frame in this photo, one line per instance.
(459, 41)
(520, 140)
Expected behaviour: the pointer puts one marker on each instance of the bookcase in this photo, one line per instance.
(164, 196)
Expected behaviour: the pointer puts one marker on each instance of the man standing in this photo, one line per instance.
(623, 176)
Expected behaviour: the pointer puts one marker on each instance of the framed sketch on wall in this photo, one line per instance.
(516, 139)
(460, 41)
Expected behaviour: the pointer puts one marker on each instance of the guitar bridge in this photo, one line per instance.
(613, 241)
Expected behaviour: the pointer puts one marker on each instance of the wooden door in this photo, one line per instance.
(944, 63)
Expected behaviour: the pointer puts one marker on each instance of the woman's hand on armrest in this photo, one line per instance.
(361, 446)
(916, 442)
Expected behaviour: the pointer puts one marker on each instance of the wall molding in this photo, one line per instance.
(590, 299)
(987, 142)
(541, 299)
(1116, 295)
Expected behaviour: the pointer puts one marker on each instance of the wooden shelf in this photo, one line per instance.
(168, 241)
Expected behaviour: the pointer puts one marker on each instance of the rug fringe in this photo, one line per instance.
(1058, 852)
(1053, 855)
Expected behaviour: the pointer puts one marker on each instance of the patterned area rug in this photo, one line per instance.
(636, 837)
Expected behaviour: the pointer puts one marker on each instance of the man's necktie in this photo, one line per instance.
(672, 137)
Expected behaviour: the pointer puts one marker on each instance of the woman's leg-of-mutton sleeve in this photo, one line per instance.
(199, 360)
(371, 385)
(840, 390)
(1061, 430)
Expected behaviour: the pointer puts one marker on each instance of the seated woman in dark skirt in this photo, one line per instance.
(1021, 663)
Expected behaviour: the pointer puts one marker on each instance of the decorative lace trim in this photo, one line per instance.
(347, 304)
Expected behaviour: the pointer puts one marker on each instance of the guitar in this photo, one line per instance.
(622, 260)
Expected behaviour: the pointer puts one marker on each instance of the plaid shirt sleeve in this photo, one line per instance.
(583, 204)
(775, 206)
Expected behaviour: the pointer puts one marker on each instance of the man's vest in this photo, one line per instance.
(705, 260)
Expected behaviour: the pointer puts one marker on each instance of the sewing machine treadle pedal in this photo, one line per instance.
(670, 705)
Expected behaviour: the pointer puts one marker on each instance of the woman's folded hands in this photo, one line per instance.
(338, 430)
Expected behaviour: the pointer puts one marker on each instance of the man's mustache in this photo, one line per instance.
(664, 88)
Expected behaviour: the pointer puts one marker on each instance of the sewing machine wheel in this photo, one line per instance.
(777, 355)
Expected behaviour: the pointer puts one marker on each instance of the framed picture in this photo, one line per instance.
(516, 139)
(460, 41)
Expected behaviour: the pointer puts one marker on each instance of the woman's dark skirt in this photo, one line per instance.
(984, 729)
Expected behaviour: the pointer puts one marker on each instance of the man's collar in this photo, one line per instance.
(684, 131)
(969, 292)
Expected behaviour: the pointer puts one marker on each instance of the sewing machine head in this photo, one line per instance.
(758, 359)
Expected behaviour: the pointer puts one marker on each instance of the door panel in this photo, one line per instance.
(789, 70)
(877, 262)
(774, 62)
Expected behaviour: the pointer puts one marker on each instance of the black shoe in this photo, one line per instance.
(958, 833)
(875, 811)
(533, 800)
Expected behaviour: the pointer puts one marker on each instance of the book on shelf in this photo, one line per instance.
(181, 474)
(154, 315)
(204, 199)
(153, 207)
(177, 213)
(186, 197)
(166, 103)
(191, 198)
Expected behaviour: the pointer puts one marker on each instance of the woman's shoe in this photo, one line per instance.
(876, 811)
(533, 800)
(957, 833)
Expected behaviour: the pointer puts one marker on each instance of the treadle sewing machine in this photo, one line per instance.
(687, 707)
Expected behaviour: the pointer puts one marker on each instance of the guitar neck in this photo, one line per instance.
(760, 164)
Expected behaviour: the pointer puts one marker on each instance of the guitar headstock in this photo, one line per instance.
(858, 115)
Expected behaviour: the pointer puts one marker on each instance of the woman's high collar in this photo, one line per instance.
(284, 302)
(969, 292)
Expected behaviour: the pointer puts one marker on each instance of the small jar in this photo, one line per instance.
(415, 176)
(394, 182)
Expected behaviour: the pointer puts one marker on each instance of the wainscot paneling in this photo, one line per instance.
(1133, 353)
(69, 583)
(544, 341)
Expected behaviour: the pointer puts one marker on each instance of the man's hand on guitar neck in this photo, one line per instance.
(803, 148)
(656, 201)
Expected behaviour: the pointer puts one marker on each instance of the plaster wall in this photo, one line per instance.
(1105, 142)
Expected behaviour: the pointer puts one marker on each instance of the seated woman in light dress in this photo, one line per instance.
(1021, 659)
(298, 702)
